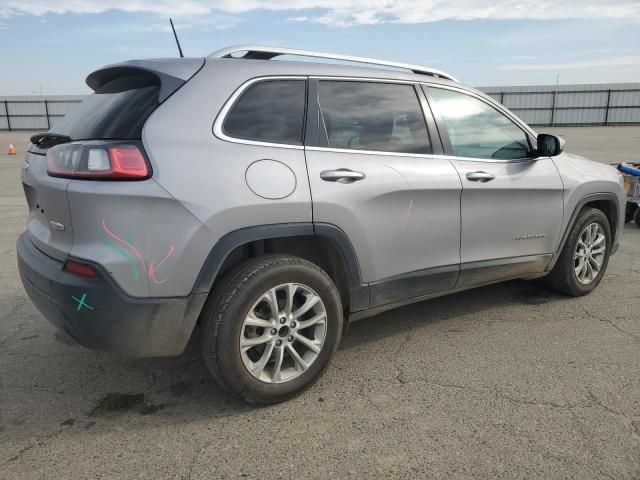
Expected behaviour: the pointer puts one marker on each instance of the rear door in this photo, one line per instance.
(511, 204)
(374, 175)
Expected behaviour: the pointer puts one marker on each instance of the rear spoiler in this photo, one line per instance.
(172, 73)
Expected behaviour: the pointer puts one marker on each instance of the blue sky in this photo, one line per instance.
(502, 42)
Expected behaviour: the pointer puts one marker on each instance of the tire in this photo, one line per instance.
(636, 216)
(630, 211)
(563, 277)
(247, 289)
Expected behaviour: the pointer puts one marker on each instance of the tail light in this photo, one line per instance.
(99, 161)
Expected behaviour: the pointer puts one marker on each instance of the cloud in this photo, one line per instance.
(343, 13)
(10, 8)
(204, 23)
(596, 63)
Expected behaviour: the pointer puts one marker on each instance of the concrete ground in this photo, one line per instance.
(507, 381)
(605, 144)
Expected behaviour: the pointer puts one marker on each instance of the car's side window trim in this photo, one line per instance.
(437, 145)
(444, 134)
(312, 124)
(218, 123)
(442, 129)
(313, 140)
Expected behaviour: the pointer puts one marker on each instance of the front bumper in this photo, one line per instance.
(98, 315)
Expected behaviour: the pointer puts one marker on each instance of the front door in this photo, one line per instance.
(511, 203)
(373, 174)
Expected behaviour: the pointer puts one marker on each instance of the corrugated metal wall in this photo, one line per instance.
(35, 112)
(600, 104)
(544, 105)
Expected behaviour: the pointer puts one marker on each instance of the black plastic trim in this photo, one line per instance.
(359, 292)
(592, 197)
(413, 284)
(312, 127)
(107, 319)
(232, 240)
(482, 272)
(440, 126)
(435, 139)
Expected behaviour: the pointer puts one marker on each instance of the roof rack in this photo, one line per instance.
(259, 52)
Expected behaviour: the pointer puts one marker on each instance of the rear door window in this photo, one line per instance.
(373, 116)
(270, 111)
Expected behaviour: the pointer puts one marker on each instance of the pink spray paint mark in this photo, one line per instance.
(133, 249)
(406, 217)
(151, 273)
(152, 266)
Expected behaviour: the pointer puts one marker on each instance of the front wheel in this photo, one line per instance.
(585, 255)
(271, 328)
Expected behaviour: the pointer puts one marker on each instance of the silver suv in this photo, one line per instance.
(271, 202)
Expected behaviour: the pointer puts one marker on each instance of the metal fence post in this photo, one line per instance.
(553, 106)
(501, 98)
(46, 112)
(6, 112)
(606, 112)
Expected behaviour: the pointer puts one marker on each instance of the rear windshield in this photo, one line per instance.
(117, 110)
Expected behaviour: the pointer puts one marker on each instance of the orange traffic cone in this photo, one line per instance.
(12, 150)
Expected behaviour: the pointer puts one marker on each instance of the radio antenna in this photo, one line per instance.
(176, 37)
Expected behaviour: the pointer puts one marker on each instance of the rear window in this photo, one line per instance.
(117, 110)
(270, 111)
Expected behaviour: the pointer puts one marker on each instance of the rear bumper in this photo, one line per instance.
(98, 315)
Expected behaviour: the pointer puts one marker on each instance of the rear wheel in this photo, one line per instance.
(585, 255)
(636, 216)
(271, 328)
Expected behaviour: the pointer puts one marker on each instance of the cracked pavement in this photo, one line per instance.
(507, 381)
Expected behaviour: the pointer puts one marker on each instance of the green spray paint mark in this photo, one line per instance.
(129, 259)
(81, 302)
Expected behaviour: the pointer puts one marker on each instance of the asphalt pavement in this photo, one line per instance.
(507, 381)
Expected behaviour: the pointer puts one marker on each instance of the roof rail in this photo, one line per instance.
(260, 52)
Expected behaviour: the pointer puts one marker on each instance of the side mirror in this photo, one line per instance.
(550, 145)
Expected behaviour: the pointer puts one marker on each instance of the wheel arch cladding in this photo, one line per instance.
(607, 203)
(610, 209)
(323, 244)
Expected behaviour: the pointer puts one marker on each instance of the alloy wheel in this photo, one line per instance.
(283, 333)
(589, 253)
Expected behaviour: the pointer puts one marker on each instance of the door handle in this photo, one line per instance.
(341, 175)
(482, 177)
